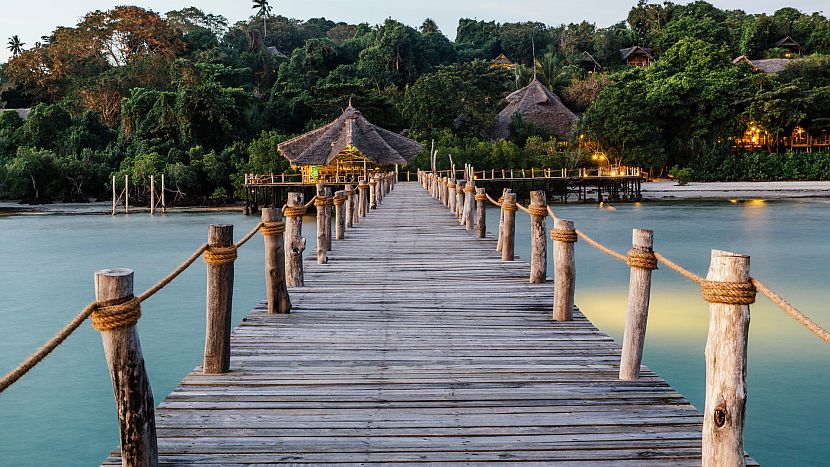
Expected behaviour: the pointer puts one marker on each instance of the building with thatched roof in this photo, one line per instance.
(502, 62)
(589, 63)
(637, 56)
(790, 46)
(768, 65)
(347, 149)
(537, 105)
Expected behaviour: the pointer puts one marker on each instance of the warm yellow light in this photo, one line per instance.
(733, 201)
(594, 157)
(602, 157)
(754, 139)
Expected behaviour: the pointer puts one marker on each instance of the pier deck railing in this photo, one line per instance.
(116, 310)
(728, 287)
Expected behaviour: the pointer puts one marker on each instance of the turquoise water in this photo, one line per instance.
(63, 412)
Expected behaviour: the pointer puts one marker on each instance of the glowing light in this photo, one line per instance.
(733, 201)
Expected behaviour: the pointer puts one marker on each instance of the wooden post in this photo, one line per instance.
(373, 197)
(481, 213)
(295, 243)
(327, 211)
(451, 185)
(639, 292)
(152, 195)
(126, 194)
(459, 199)
(509, 227)
(723, 416)
(361, 187)
(564, 269)
(130, 386)
(351, 217)
(469, 200)
(538, 239)
(276, 290)
(113, 195)
(163, 204)
(500, 240)
(321, 225)
(340, 215)
(219, 301)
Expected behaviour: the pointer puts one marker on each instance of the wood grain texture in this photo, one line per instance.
(481, 215)
(417, 344)
(636, 318)
(219, 305)
(564, 274)
(276, 289)
(509, 228)
(322, 256)
(538, 240)
(294, 244)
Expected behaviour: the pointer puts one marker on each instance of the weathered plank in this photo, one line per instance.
(416, 343)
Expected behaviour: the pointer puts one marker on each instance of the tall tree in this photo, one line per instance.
(264, 10)
(15, 46)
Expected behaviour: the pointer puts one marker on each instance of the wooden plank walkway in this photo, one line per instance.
(416, 343)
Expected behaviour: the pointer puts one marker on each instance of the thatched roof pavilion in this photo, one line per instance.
(348, 145)
(539, 106)
(767, 65)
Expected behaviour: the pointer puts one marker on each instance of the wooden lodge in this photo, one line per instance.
(791, 48)
(799, 140)
(503, 62)
(589, 63)
(637, 56)
(347, 149)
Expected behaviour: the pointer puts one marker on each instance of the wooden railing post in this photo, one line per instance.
(723, 416)
(469, 200)
(373, 196)
(509, 208)
(276, 290)
(295, 243)
(340, 215)
(564, 268)
(327, 212)
(639, 292)
(219, 303)
(351, 215)
(320, 204)
(381, 190)
(130, 385)
(500, 240)
(481, 213)
(459, 199)
(362, 204)
(538, 239)
(451, 195)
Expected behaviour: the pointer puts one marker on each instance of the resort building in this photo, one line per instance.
(637, 56)
(539, 106)
(799, 140)
(348, 149)
(767, 65)
(589, 63)
(503, 62)
(792, 49)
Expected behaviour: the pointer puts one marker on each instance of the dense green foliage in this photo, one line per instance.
(132, 92)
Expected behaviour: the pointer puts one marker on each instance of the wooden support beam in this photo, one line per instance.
(481, 213)
(564, 267)
(276, 290)
(639, 293)
(219, 303)
(340, 215)
(322, 258)
(295, 243)
(509, 241)
(538, 239)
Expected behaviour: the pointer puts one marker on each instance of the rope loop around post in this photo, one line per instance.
(537, 210)
(510, 207)
(641, 259)
(451, 186)
(373, 183)
(339, 201)
(323, 201)
(294, 211)
(565, 236)
(729, 293)
(481, 197)
(220, 256)
(361, 187)
(116, 314)
(269, 229)
(469, 189)
(349, 192)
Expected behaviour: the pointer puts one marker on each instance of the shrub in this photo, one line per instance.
(683, 176)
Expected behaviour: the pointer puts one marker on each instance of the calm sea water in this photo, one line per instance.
(63, 412)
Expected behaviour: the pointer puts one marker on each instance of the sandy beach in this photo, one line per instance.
(668, 190)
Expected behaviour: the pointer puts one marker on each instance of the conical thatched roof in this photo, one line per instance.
(321, 146)
(539, 106)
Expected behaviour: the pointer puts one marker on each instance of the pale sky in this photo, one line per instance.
(31, 19)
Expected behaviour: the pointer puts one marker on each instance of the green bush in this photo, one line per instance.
(683, 176)
(763, 167)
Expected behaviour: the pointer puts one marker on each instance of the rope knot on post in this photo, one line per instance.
(220, 256)
(450, 185)
(469, 189)
(350, 192)
(269, 229)
(293, 211)
(373, 183)
(481, 198)
(729, 293)
(510, 207)
(537, 210)
(322, 201)
(562, 235)
(116, 314)
(641, 259)
(339, 201)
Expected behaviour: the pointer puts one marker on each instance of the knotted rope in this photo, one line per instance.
(293, 211)
(350, 192)
(510, 207)
(537, 210)
(469, 189)
(270, 229)
(563, 235)
(641, 259)
(361, 187)
(322, 201)
(481, 197)
(729, 293)
(338, 201)
(458, 189)
(219, 255)
(116, 314)
(451, 185)
(373, 183)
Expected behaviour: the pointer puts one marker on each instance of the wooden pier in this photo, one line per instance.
(417, 343)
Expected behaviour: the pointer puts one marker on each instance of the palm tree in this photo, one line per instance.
(15, 46)
(429, 26)
(264, 10)
(549, 68)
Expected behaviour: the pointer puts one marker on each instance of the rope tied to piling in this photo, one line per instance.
(510, 207)
(564, 235)
(641, 259)
(322, 201)
(220, 255)
(451, 185)
(293, 211)
(373, 183)
(537, 210)
(350, 192)
(481, 197)
(116, 314)
(458, 189)
(729, 293)
(338, 201)
(469, 189)
(270, 229)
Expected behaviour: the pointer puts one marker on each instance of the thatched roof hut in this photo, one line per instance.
(348, 140)
(637, 56)
(539, 106)
(589, 63)
(790, 45)
(503, 62)
(769, 65)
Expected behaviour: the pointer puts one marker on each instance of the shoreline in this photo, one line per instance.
(8, 208)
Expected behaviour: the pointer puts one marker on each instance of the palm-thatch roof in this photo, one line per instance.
(502, 60)
(350, 130)
(788, 43)
(636, 50)
(539, 106)
(589, 63)
(769, 65)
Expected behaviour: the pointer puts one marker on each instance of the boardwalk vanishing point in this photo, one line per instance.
(416, 343)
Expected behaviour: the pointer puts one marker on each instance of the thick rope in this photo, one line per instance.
(294, 211)
(310, 202)
(350, 192)
(524, 209)
(641, 259)
(338, 201)
(808, 323)
(537, 210)
(373, 183)
(679, 269)
(270, 229)
(451, 186)
(601, 247)
(729, 293)
(481, 197)
(508, 207)
(469, 189)
(361, 187)
(248, 236)
(219, 255)
(495, 203)
(116, 314)
(322, 201)
(563, 235)
(173, 274)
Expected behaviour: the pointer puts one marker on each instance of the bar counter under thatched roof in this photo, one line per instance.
(350, 130)
(539, 106)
